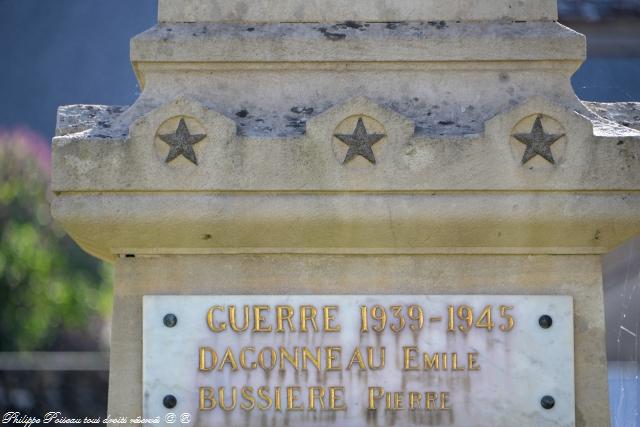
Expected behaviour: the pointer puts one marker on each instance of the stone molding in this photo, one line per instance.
(175, 46)
(263, 195)
(272, 105)
(410, 162)
(355, 10)
(109, 224)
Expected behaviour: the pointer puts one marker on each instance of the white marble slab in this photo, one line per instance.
(516, 368)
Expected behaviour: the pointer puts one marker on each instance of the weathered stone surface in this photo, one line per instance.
(355, 10)
(271, 207)
(411, 162)
(90, 120)
(625, 114)
(414, 210)
(357, 222)
(364, 42)
(299, 70)
(576, 276)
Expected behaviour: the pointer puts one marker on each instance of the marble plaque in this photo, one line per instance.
(359, 360)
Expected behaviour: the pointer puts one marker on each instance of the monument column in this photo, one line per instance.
(408, 180)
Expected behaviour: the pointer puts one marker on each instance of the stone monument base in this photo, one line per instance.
(578, 276)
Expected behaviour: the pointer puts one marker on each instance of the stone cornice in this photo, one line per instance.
(357, 42)
(114, 159)
(414, 137)
(108, 224)
(356, 10)
(472, 194)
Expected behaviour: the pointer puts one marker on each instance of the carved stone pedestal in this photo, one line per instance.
(342, 147)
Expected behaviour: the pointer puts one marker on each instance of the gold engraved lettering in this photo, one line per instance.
(247, 395)
(380, 314)
(232, 319)
(263, 393)
(228, 358)
(357, 358)
(431, 363)
(416, 313)
(330, 317)
(210, 322)
(333, 358)
(465, 313)
(284, 313)
(398, 400)
(444, 400)
(258, 320)
(375, 394)
(509, 318)
(234, 399)
(292, 359)
(243, 358)
(213, 357)
(307, 355)
(308, 313)
(381, 358)
(430, 400)
(272, 359)
(316, 394)
(396, 310)
(410, 357)
(472, 362)
(336, 400)
(451, 326)
(454, 363)
(293, 393)
(364, 326)
(485, 321)
(207, 399)
(278, 399)
(415, 400)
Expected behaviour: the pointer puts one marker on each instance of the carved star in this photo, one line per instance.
(360, 143)
(538, 142)
(181, 143)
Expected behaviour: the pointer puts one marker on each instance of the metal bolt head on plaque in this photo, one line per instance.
(456, 360)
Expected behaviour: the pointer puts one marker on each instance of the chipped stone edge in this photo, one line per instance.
(616, 118)
(95, 122)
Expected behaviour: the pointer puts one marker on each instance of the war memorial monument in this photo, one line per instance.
(354, 213)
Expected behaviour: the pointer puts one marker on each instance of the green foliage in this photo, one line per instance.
(48, 286)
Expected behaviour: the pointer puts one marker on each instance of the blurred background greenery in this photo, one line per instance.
(55, 300)
(53, 296)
